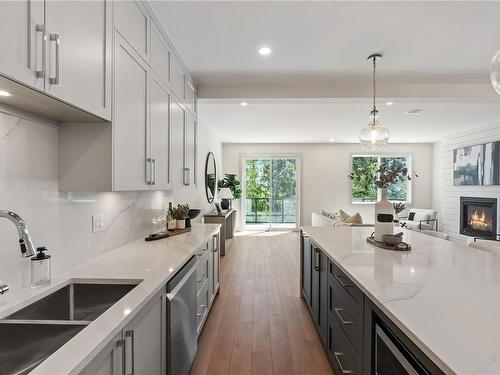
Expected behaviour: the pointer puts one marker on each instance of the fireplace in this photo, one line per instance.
(478, 217)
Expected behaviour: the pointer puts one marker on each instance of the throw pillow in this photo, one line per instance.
(344, 215)
(328, 214)
(354, 219)
(411, 216)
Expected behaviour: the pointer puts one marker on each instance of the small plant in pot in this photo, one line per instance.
(229, 181)
(180, 214)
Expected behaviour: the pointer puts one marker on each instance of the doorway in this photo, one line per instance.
(271, 192)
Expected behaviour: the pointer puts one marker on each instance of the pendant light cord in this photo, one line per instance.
(374, 87)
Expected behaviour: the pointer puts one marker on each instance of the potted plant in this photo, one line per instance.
(229, 181)
(387, 174)
(180, 214)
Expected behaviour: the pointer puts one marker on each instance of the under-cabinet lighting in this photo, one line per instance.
(5, 93)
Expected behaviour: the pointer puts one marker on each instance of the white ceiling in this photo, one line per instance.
(422, 40)
(436, 57)
(319, 121)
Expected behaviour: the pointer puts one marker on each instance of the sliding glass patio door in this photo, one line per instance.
(270, 190)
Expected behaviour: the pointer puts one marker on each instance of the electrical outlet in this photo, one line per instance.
(97, 223)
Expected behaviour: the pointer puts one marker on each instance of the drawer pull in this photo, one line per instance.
(203, 308)
(337, 358)
(345, 322)
(339, 279)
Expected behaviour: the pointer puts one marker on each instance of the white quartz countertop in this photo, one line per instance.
(444, 296)
(151, 263)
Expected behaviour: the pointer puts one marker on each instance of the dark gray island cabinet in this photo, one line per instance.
(358, 337)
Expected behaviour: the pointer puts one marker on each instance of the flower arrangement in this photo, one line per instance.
(398, 207)
(386, 174)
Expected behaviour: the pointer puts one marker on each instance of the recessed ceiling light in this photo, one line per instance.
(5, 93)
(332, 140)
(244, 104)
(264, 51)
(414, 112)
(389, 103)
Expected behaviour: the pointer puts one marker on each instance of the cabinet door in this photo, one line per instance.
(216, 263)
(131, 19)
(109, 361)
(306, 269)
(160, 54)
(160, 135)
(145, 339)
(177, 119)
(78, 57)
(190, 92)
(132, 171)
(190, 151)
(210, 273)
(21, 45)
(322, 321)
(177, 78)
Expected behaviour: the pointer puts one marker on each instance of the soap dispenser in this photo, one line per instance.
(40, 268)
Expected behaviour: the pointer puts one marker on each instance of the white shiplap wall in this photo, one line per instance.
(446, 196)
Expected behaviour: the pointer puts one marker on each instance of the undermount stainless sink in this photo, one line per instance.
(76, 301)
(39, 329)
(24, 345)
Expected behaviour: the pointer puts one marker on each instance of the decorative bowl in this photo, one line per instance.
(390, 239)
(193, 212)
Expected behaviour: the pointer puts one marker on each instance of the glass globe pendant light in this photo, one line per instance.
(374, 136)
(495, 72)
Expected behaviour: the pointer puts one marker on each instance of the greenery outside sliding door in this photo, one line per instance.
(271, 192)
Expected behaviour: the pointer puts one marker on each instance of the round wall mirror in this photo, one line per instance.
(210, 177)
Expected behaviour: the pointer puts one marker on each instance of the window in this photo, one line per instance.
(365, 191)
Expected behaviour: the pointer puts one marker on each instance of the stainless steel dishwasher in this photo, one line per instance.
(182, 319)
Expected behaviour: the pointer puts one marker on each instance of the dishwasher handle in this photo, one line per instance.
(171, 295)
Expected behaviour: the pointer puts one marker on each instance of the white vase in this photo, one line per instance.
(384, 217)
(180, 224)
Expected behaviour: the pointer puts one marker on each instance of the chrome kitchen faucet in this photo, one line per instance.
(27, 248)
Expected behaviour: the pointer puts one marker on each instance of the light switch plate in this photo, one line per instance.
(97, 223)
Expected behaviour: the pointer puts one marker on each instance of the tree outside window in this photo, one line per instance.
(365, 191)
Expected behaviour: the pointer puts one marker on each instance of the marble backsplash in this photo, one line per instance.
(61, 221)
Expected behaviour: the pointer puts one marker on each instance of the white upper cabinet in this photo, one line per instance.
(177, 120)
(190, 151)
(132, 169)
(190, 92)
(132, 21)
(78, 55)
(177, 78)
(160, 54)
(159, 135)
(21, 44)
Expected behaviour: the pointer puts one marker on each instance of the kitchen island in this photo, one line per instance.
(440, 301)
(132, 332)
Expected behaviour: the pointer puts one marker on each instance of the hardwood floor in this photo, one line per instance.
(259, 324)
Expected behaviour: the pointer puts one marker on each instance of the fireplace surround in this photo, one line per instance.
(478, 217)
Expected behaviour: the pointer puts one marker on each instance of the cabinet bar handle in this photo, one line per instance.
(153, 161)
(121, 345)
(214, 243)
(316, 260)
(339, 277)
(203, 308)
(55, 38)
(40, 28)
(337, 358)
(338, 311)
(149, 171)
(130, 334)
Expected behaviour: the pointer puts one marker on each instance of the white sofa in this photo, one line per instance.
(420, 219)
(320, 220)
